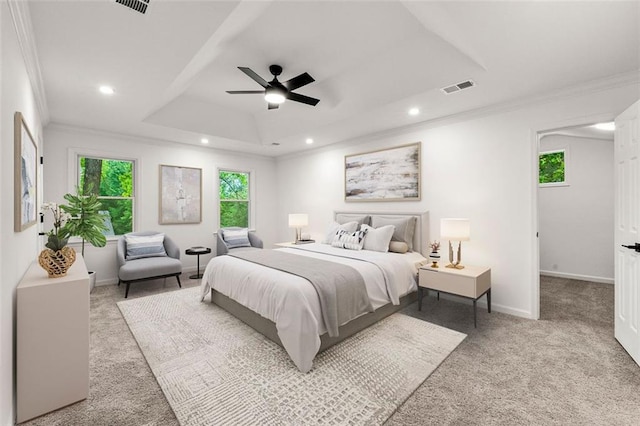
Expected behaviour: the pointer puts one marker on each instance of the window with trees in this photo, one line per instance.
(234, 198)
(552, 170)
(112, 181)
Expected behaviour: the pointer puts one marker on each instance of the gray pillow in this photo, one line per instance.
(343, 218)
(234, 238)
(405, 227)
(335, 227)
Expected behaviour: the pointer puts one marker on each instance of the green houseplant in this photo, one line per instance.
(85, 220)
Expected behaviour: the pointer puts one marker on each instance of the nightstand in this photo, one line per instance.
(472, 282)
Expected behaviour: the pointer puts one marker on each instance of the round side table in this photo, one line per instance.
(197, 251)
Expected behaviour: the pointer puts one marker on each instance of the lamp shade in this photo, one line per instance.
(298, 220)
(455, 229)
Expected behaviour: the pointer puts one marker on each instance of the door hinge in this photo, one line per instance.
(41, 159)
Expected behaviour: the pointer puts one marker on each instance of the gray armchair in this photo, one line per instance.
(221, 246)
(148, 268)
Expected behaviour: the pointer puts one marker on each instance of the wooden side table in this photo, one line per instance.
(197, 251)
(472, 282)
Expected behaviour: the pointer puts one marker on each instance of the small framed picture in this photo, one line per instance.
(25, 175)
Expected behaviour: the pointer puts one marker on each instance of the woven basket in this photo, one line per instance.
(57, 263)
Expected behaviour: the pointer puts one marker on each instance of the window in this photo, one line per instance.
(234, 198)
(112, 181)
(552, 168)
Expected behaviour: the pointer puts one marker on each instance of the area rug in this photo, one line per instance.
(215, 370)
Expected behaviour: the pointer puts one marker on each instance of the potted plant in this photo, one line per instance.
(85, 221)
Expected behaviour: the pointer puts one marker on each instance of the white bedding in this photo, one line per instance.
(291, 302)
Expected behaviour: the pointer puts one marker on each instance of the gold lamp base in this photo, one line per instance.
(457, 264)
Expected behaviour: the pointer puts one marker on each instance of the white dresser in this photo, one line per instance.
(52, 353)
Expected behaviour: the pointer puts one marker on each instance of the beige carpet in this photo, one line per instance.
(214, 369)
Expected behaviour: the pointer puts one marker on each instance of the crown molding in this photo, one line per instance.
(149, 141)
(610, 82)
(24, 30)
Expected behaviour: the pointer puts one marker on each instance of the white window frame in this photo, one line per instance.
(74, 177)
(252, 186)
(565, 152)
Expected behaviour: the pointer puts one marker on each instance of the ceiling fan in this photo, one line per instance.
(276, 92)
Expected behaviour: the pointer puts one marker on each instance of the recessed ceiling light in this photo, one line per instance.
(204, 140)
(414, 111)
(106, 90)
(611, 126)
(309, 141)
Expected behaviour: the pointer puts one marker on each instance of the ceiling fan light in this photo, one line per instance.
(274, 95)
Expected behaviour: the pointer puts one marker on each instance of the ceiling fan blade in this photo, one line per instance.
(299, 81)
(273, 106)
(302, 98)
(244, 92)
(261, 81)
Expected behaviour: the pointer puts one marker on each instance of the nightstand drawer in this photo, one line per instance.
(456, 282)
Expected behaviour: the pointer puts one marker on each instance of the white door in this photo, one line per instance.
(627, 230)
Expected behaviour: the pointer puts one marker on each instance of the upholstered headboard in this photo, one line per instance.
(420, 236)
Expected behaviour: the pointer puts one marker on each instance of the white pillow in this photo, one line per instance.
(349, 240)
(333, 229)
(378, 239)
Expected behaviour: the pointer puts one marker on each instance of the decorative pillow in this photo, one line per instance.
(139, 246)
(335, 227)
(349, 240)
(398, 247)
(378, 239)
(405, 227)
(360, 218)
(234, 238)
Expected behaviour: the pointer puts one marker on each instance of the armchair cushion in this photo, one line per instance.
(222, 246)
(141, 246)
(235, 238)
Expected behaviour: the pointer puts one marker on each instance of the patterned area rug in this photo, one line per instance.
(215, 370)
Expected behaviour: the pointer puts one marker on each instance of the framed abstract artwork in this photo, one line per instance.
(25, 175)
(180, 195)
(391, 174)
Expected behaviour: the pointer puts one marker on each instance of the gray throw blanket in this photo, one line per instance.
(341, 289)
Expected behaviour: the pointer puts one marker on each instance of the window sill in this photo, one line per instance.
(553, 185)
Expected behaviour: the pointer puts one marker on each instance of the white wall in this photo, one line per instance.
(482, 167)
(60, 179)
(576, 221)
(17, 249)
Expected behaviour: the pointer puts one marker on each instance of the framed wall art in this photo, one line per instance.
(25, 175)
(180, 195)
(391, 174)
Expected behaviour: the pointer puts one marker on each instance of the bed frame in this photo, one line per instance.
(268, 329)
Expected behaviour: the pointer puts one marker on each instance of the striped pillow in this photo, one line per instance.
(234, 238)
(139, 246)
(349, 240)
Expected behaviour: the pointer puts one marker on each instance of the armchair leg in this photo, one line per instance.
(178, 278)
(126, 293)
(119, 281)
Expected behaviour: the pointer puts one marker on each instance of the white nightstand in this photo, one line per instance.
(472, 282)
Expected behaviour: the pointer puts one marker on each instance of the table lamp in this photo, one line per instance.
(455, 230)
(298, 220)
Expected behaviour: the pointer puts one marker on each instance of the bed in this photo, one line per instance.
(287, 309)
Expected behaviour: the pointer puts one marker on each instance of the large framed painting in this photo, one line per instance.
(180, 195)
(25, 175)
(391, 174)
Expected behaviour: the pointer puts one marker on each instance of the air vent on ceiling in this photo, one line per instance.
(458, 87)
(137, 5)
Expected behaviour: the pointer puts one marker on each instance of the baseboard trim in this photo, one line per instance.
(482, 304)
(567, 275)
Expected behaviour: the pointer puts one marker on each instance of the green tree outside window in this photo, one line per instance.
(112, 181)
(552, 167)
(234, 199)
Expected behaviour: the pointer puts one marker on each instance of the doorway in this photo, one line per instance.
(575, 217)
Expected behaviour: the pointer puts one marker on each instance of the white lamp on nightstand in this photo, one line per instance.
(298, 220)
(455, 230)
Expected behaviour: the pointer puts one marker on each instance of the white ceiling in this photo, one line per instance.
(372, 61)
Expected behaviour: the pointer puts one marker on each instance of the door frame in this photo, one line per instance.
(535, 134)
